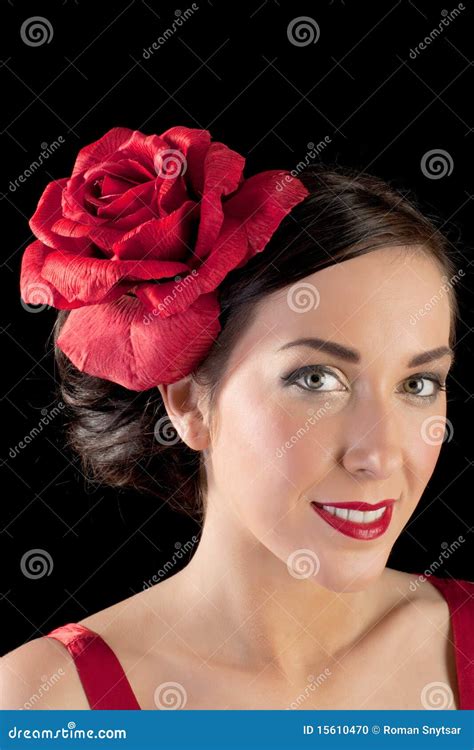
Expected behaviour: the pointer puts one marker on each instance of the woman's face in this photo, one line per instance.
(364, 428)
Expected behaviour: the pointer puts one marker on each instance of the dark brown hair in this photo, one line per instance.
(345, 215)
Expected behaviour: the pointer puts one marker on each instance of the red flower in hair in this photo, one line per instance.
(136, 242)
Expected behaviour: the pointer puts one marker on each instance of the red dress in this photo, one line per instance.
(106, 686)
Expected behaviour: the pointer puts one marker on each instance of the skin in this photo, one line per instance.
(235, 619)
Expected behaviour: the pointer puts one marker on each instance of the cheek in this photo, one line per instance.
(421, 455)
(268, 447)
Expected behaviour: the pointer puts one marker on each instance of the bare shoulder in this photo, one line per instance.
(423, 621)
(41, 674)
(125, 626)
(417, 592)
(38, 675)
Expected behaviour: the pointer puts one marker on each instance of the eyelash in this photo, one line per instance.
(318, 369)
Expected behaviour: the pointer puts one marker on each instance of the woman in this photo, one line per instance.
(324, 387)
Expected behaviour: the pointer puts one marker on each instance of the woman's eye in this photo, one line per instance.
(416, 386)
(314, 378)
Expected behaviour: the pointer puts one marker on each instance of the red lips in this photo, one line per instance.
(357, 506)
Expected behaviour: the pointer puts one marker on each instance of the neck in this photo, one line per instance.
(254, 613)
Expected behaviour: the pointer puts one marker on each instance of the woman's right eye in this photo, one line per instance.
(315, 378)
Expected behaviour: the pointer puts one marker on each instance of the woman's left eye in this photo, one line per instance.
(416, 383)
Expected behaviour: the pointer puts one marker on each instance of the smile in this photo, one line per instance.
(358, 524)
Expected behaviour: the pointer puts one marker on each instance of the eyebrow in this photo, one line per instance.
(352, 355)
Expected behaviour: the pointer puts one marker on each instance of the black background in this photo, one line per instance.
(230, 68)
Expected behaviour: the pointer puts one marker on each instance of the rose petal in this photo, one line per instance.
(261, 205)
(34, 289)
(143, 148)
(137, 198)
(130, 170)
(152, 351)
(101, 150)
(68, 228)
(166, 239)
(194, 144)
(90, 280)
(168, 298)
(171, 195)
(48, 211)
(223, 174)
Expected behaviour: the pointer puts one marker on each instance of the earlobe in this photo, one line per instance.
(194, 432)
(182, 405)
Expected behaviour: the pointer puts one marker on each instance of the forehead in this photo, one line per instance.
(388, 298)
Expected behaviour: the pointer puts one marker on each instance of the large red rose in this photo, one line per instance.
(136, 242)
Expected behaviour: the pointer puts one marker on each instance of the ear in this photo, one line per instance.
(183, 405)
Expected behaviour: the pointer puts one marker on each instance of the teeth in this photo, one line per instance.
(357, 516)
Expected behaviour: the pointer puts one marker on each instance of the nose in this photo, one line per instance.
(373, 444)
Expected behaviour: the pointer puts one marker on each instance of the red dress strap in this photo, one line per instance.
(459, 595)
(103, 679)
